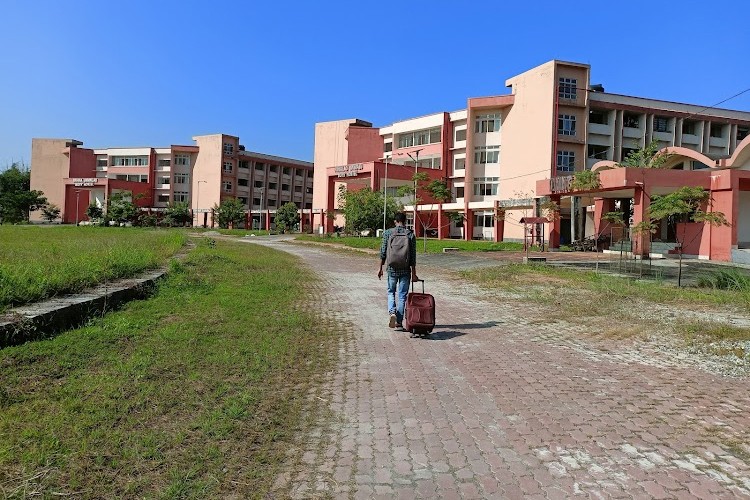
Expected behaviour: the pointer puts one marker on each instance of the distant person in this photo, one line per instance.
(398, 252)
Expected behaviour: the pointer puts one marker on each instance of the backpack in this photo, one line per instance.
(397, 256)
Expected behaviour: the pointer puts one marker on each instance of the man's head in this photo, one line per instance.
(400, 218)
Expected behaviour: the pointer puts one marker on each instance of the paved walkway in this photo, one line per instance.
(495, 405)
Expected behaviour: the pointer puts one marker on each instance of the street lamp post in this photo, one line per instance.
(416, 164)
(78, 192)
(198, 201)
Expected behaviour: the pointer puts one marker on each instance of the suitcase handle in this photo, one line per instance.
(412, 285)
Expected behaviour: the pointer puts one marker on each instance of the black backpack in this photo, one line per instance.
(397, 254)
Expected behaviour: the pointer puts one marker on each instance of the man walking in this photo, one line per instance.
(398, 252)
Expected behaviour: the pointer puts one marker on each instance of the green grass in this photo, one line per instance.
(40, 262)
(231, 232)
(433, 245)
(195, 393)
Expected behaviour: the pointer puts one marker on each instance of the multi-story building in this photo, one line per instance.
(495, 153)
(215, 168)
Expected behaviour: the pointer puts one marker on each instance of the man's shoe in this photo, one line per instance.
(400, 328)
(392, 321)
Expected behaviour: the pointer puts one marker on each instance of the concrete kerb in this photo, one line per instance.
(47, 318)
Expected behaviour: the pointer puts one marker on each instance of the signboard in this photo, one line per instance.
(349, 170)
(518, 202)
(85, 182)
(561, 184)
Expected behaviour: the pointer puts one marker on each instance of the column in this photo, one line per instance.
(469, 225)
(440, 222)
(553, 231)
(499, 224)
(268, 220)
(640, 242)
(329, 206)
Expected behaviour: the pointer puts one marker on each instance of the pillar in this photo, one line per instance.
(247, 220)
(641, 242)
(440, 222)
(268, 220)
(328, 222)
(553, 228)
(469, 225)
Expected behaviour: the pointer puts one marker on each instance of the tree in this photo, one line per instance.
(121, 208)
(287, 216)
(682, 205)
(50, 212)
(363, 209)
(178, 214)
(94, 211)
(230, 212)
(648, 156)
(17, 199)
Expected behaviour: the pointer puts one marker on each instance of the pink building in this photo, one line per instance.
(215, 168)
(499, 153)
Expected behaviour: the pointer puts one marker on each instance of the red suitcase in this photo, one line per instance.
(419, 317)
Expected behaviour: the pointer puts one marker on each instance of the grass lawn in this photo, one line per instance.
(40, 262)
(433, 245)
(195, 393)
(610, 302)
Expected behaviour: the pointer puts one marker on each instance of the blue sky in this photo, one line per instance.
(155, 73)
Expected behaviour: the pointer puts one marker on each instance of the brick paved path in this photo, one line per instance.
(495, 405)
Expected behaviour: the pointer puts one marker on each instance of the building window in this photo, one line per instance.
(717, 130)
(285, 187)
(388, 147)
(459, 164)
(243, 164)
(130, 161)
(271, 202)
(297, 189)
(599, 116)
(163, 162)
(430, 162)
(273, 169)
(460, 192)
(566, 161)
(308, 204)
(742, 132)
(256, 201)
(260, 166)
(630, 120)
(258, 184)
(162, 180)
(243, 200)
(484, 220)
(487, 154)
(597, 152)
(272, 185)
(286, 171)
(661, 124)
(487, 123)
(460, 135)
(419, 137)
(566, 124)
(228, 149)
(298, 172)
(626, 152)
(227, 167)
(308, 190)
(566, 88)
(486, 186)
(180, 178)
(226, 186)
(688, 127)
(163, 198)
(101, 162)
(242, 182)
(180, 196)
(183, 160)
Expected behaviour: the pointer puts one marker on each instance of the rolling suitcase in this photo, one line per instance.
(420, 312)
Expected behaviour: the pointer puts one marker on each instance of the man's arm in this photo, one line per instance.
(383, 249)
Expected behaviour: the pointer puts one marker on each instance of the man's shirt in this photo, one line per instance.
(412, 250)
